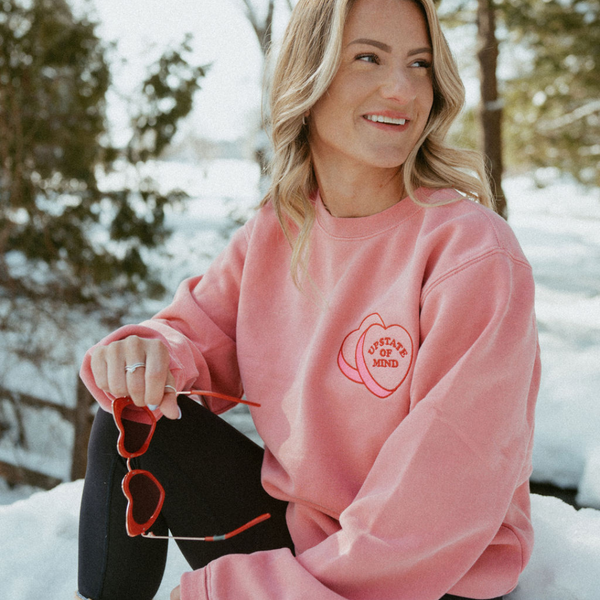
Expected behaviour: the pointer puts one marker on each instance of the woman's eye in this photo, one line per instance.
(371, 58)
(422, 63)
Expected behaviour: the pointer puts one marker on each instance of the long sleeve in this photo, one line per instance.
(198, 328)
(434, 505)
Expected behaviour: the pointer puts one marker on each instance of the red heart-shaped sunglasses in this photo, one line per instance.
(145, 495)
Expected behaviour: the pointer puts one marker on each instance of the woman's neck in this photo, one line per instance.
(361, 192)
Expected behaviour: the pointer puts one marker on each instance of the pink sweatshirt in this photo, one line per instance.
(397, 397)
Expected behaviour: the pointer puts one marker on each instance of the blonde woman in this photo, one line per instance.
(380, 315)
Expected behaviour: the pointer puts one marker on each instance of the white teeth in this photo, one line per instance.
(380, 119)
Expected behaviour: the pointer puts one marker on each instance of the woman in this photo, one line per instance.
(383, 319)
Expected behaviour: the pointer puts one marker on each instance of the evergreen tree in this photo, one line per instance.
(553, 105)
(551, 98)
(64, 241)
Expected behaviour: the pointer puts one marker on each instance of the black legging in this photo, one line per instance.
(211, 476)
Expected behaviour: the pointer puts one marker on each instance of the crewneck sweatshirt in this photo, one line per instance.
(397, 393)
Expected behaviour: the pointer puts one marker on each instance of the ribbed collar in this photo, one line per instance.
(363, 227)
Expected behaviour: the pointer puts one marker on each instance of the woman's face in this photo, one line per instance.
(377, 106)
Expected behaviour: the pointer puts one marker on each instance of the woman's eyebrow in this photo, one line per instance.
(387, 48)
(375, 43)
(423, 50)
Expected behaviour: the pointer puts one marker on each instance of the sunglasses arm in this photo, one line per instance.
(211, 538)
(217, 395)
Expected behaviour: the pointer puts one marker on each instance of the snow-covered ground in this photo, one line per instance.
(559, 228)
(39, 550)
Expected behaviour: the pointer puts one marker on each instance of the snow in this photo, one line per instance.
(559, 229)
(589, 487)
(566, 557)
(39, 550)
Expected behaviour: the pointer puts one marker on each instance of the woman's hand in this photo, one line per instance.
(146, 384)
(175, 595)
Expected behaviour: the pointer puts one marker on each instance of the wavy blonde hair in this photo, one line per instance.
(307, 63)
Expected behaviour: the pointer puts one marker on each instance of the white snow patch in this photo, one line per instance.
(38, 555)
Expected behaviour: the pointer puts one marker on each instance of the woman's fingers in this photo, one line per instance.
(130, 362)
(169, 406)
(108, 369)
(99, 368)
(156, 372)
(138, 368)
(157, 377)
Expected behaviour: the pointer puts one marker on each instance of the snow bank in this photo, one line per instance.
(589, 488)
(38, 555)
(559, 229)
(565, 564)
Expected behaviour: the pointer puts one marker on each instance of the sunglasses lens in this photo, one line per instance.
(145, 496)
(135, 434)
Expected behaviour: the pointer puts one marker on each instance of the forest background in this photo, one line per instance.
(89, 107)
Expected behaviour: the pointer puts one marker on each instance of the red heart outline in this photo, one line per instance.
(372, 379)
(347, 353)
(133, 527)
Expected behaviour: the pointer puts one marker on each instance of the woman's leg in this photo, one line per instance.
(221, 473)
(211, 476)
(111, 564)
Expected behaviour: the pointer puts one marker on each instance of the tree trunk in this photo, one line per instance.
(264, 33)
(491, 104)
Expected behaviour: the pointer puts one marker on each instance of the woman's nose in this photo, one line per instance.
(398, 86)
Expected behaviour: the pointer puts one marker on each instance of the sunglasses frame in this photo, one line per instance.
(132, 526)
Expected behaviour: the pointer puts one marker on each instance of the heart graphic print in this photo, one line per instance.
(377, 356)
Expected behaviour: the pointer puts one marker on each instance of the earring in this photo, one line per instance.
(306, 114)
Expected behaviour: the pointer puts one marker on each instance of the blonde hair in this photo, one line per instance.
(308, 61)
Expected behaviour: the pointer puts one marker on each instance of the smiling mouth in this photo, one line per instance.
(385, 120)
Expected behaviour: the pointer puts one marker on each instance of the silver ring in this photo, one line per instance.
(132, 368)
(170, 387)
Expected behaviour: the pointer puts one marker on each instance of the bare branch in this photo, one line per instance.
(568, 119)
(268, 28)
(251, 13)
